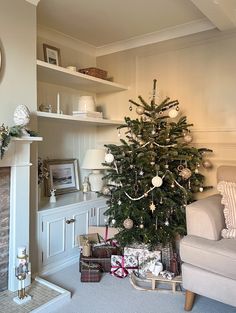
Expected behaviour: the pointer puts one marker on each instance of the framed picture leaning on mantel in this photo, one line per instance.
(52, 54)
(63, 176)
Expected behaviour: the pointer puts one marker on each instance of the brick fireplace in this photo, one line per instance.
(14, 207)
(4, 225)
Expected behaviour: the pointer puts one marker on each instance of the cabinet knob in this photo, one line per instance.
(72, 220)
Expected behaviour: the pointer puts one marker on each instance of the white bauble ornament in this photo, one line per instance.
(113, 221)
(188, 138)
(21, 115)
(201, 189)
(207, 164)
(157, 181)
(109, 158)
(128, 223)
(141, 226)
(173, 113)
(140, 110)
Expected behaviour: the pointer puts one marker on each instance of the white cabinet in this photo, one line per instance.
(97, 216)
(60, 224)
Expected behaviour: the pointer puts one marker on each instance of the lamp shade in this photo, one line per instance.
(93, 159)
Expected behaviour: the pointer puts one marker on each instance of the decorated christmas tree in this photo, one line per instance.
(153, 174)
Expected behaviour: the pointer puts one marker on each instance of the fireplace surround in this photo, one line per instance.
(16, 162)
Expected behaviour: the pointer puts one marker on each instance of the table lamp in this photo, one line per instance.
(93, 160)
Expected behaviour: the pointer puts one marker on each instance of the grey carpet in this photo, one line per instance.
(114, 295)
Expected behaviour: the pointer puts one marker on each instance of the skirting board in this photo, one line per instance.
(53, 268)
(55, 303)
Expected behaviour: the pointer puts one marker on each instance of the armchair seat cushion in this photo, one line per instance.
(211, 255)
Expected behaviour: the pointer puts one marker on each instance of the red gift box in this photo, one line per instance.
(90, 272)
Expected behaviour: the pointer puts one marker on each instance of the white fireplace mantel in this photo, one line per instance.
(18, 158)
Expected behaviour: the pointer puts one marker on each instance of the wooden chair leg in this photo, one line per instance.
(189, 300)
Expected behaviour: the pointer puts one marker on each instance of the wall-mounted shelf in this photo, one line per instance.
(62, 76)
(94, 121)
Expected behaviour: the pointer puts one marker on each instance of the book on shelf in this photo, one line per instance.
(87, 114)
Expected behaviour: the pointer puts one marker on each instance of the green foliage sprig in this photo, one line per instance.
(7, 133)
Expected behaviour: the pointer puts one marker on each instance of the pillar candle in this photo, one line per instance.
(58, 104)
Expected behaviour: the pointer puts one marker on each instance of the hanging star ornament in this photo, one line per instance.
(152, 207)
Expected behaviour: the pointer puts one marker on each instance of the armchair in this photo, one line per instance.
(209, 261)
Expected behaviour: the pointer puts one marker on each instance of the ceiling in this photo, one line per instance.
(107, 22)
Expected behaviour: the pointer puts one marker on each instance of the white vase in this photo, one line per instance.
(86, 104)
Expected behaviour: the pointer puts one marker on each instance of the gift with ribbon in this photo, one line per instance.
(122, 266)
(146, 258)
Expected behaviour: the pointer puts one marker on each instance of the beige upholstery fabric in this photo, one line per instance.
(228, 192)
(214, 256)
(209, 284)
(205, 218)
(209, 267)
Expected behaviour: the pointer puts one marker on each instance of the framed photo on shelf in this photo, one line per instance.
(63, 176)
(52, 54)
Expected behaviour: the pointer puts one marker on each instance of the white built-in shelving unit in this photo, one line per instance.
(58, 75)
(90, 120)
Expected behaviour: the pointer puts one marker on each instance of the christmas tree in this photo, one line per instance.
(153, 174)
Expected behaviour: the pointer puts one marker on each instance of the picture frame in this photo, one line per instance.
(52, 54)
(63, 176)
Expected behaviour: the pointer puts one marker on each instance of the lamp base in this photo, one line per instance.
(95, 179)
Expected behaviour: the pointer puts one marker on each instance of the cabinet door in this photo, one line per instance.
(93, 216)
(54, 242)
(78, 226)
(100, 216)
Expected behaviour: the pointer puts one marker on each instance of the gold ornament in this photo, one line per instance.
(128, 223)
(140, 110)
(188, 138)
(207, 164)
(152, 207)
(185, 173)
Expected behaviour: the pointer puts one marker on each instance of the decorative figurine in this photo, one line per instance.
(52, 196)
(21, 271)
(86, 185)
(22, 117)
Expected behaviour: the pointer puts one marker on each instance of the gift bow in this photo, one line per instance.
(121, 266)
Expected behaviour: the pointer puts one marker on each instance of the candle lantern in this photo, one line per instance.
(22, 269)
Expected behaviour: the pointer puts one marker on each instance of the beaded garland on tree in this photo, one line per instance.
(153, 174)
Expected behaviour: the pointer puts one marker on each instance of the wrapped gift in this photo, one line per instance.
(105, 232)
(92, 238)
(146, 258)
(105, 263)
(90, 272)
(104, 251)
(122, 266)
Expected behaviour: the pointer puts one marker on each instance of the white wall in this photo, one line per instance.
(18, 40)
(199, 71)
(18, 78)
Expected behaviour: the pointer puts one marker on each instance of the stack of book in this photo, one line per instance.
(87, 114)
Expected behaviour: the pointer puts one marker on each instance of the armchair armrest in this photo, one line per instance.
(205, 218)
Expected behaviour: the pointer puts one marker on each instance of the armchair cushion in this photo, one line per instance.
(205, 218)
(228, 192)
(211, 255)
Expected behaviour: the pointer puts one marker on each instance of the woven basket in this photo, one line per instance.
(93, 71)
